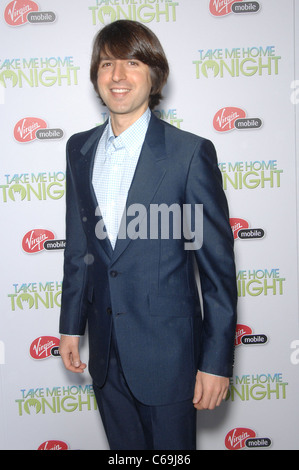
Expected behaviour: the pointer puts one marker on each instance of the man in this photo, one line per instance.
(155, 357)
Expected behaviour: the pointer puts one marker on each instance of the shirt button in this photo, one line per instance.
(113, 273)
(109, 310)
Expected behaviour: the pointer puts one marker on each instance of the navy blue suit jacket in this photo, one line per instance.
(147, 286)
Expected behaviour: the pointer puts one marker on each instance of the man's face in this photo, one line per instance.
(124, 85)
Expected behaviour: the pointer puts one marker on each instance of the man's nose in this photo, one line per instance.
(119, 72)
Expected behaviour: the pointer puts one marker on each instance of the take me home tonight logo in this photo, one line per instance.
(251, 174)
(144, 11)
(56, 400)
(38, 71)
(26, 187)
(237, 62)
(35, 295)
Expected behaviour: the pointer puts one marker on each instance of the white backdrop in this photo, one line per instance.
(229, 61)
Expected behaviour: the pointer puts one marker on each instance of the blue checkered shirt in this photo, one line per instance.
(115, 163)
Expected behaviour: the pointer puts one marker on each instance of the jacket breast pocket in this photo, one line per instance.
(174, 306)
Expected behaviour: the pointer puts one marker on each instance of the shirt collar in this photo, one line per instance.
(132, 138)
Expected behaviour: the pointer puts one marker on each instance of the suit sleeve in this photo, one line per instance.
(72, 314)
(215, 261)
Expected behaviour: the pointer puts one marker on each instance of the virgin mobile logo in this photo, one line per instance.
(53, 445)
(244, 336)
(236, 438)
(241, 230)
(239, 438)
(44, 347)
(237, 224)
(241, 330)
(33, 241)
(230, 118)
(20, 12)
(16, 12)
(31, 128)
(25, 129)
(225, 7)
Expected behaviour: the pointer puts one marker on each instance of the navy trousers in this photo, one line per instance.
(131, 425)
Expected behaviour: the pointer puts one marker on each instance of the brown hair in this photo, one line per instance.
(126, 39)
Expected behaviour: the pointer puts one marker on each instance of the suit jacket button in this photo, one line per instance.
(113, 273)
(109, 310)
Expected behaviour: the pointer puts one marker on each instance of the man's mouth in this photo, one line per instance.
(120, 90)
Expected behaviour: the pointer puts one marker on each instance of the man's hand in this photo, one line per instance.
(209, 391)
(69, 352)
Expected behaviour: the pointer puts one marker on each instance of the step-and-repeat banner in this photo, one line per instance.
(235, 80)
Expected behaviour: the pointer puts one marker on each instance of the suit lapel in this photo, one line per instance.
(148, 176)
(88, 152)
